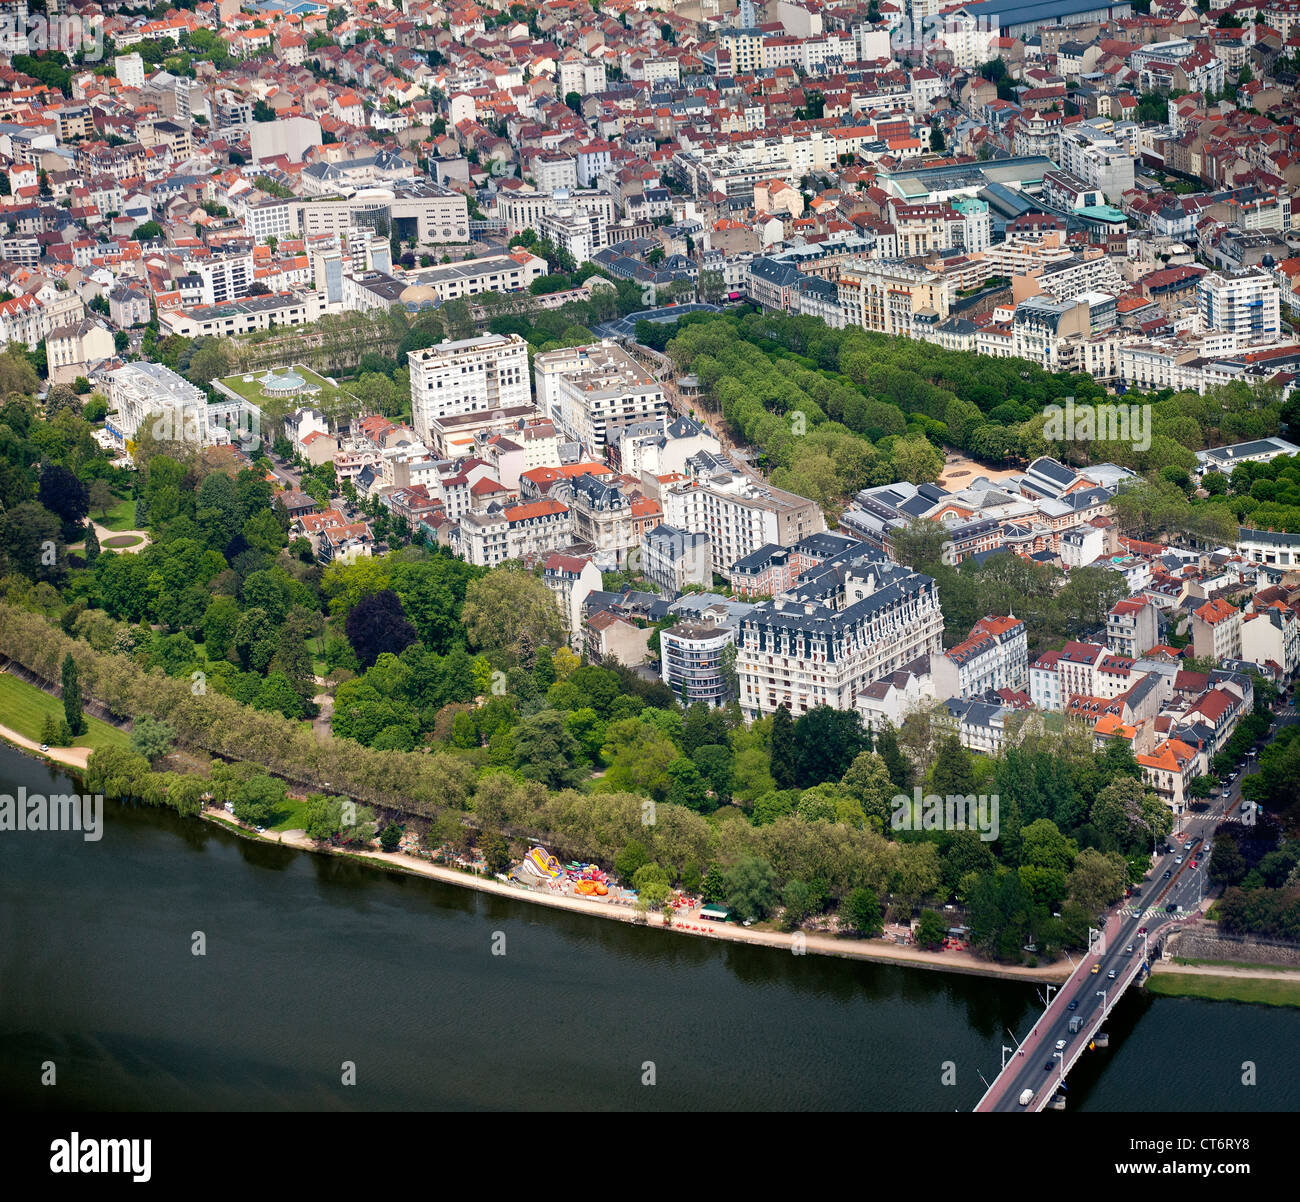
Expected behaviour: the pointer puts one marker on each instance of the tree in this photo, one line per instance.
(632, 857)
(783, 769)
(862, 909)
(90, 552)
(495, 852)
(72, 696)
(750, 887)
(390, 837)
(508, 606)
(146, 232)
(1096, 880)
(688, 788)
(574, 101)
(65, 496)
(100, 498)
(826, 741)
(258, 799)
(545, 750)
(152, 737)
(931, 929)
(377, 624)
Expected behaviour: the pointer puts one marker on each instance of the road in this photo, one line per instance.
(1131, 930)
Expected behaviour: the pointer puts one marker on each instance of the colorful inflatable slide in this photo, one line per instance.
(540, 862)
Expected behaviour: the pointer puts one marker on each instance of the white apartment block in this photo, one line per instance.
(1272, 634)
(1045, 682)
(888, 296)
(739, 516)
(470, 376)
(587, 391)
(571, 580)
(803, 656)
(994, 656)
(1099, 153)
(523, 209)
(1246, 302)
(512, 532)
(149, 394)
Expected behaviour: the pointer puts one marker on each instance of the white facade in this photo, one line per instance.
(470, 376)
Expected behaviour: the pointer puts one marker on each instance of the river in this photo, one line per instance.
(312, 962)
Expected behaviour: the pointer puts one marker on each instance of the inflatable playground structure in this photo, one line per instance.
(585, 880)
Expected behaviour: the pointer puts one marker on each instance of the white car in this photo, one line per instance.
(1060, 1045)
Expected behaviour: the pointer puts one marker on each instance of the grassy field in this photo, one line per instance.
(330, 398)
(120, 517)
(24, 708)
(120, 541)
(1226, 989)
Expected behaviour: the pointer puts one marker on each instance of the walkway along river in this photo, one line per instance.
(311, 961)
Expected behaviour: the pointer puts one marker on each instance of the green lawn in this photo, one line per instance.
(24, 707)
(1225, 989)
(330, 398)
(120, 542)
(120, 517)
(289, 816)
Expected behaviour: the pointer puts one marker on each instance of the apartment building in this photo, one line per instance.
(805, 655)
(995, 655)
(1133, 626)
(571, 580)
(1271, 636)
(891, 297)
(1216, 631)
(739, 515)
(471, 376)
(514, 531)
(674, 558)
(591, 391)
(512, 272)
(691, 661)
(1246, 302)
(140, 391)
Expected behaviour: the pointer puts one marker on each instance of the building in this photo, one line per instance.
(892, 297)
(674, 558)
(474, 375)
(805, 655)
(738, 514)
(692, 659)
(179, 411)
(1225, 459)
(994, 656)
(490, 537)
(1133, 626)
(1216, 631)
(71, 350)
(572, 580)
(1247, 302)
(590, 391)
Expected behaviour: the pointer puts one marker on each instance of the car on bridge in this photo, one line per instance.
(1096, 968)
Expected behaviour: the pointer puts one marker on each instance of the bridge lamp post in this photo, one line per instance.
(1101, 993)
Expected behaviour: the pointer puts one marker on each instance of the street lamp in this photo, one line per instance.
(1101, 993)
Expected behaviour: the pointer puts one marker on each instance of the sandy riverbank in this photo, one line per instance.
(72, 757)
(876, 950)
